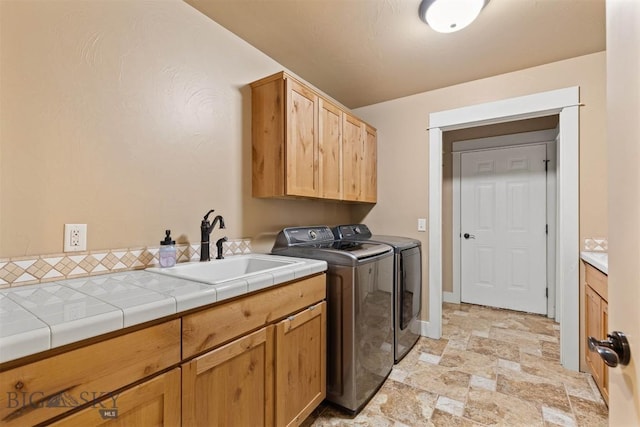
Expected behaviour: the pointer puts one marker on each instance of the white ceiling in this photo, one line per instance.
(362, 52)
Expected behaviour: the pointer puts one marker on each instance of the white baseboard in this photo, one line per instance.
(450, 297)
(426, 330)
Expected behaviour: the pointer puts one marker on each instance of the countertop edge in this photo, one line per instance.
(599, 260)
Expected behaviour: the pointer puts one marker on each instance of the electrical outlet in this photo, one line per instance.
(75, 237)
(422, 224)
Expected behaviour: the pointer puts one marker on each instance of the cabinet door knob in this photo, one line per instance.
(468, 236)
(614, 350)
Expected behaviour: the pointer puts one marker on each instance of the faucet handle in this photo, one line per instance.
(206, 217)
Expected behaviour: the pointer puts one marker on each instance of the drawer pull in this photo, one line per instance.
(19, 385)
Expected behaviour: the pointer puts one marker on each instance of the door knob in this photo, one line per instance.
(614, 350)
(468, 236)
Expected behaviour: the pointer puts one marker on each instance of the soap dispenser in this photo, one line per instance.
(167, 253)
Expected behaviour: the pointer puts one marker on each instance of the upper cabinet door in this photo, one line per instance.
(302, 142)
(352, 145)
(268, 138)
(330, 150)
(369, 180)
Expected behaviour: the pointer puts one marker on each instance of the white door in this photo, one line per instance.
(623, 141)
(503, 228)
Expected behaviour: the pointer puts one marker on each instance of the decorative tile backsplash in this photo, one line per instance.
(594, 244)
(46, 268)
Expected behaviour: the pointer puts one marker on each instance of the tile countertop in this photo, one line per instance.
(40, 317)
(599, 260)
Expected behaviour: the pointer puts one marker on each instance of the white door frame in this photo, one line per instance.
(547, 137)
(564, 102)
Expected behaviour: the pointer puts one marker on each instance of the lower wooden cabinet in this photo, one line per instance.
(219, 386)
(300, 365)
(605, 370)
(47, 388)
(258, 360)
(155, 402)
(596, 325)
(232, 385)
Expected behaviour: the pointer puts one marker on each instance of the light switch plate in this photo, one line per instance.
(422, 224)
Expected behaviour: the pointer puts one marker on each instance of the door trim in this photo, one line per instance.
(564, 102)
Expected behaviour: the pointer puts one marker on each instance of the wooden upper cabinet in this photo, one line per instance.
(360, 162)
(352, 148)
(301, 141)
(330, 150)
(268, 138)
(298, 145)
(369, 181)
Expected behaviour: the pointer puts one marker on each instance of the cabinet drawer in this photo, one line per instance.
(597, 280)
(209, 328)
(40, 390)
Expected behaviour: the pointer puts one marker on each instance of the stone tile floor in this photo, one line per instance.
(492, 367)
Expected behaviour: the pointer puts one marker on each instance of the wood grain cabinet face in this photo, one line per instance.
(232, 385)
(369, 180)
(286, 358)
(28, 394)
(205, 329)
(300, 365)
(219, 386)
(302, 142)
(330, 150)
(305, 146)
(225, 376)
(360, 166)
(155, 402)
(596, 325)
(605, 370)
(593, 322)
(352, 147)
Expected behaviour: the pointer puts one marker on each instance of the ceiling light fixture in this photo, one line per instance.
(447, 16)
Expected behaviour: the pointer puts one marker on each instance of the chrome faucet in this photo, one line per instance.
(205, 230)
